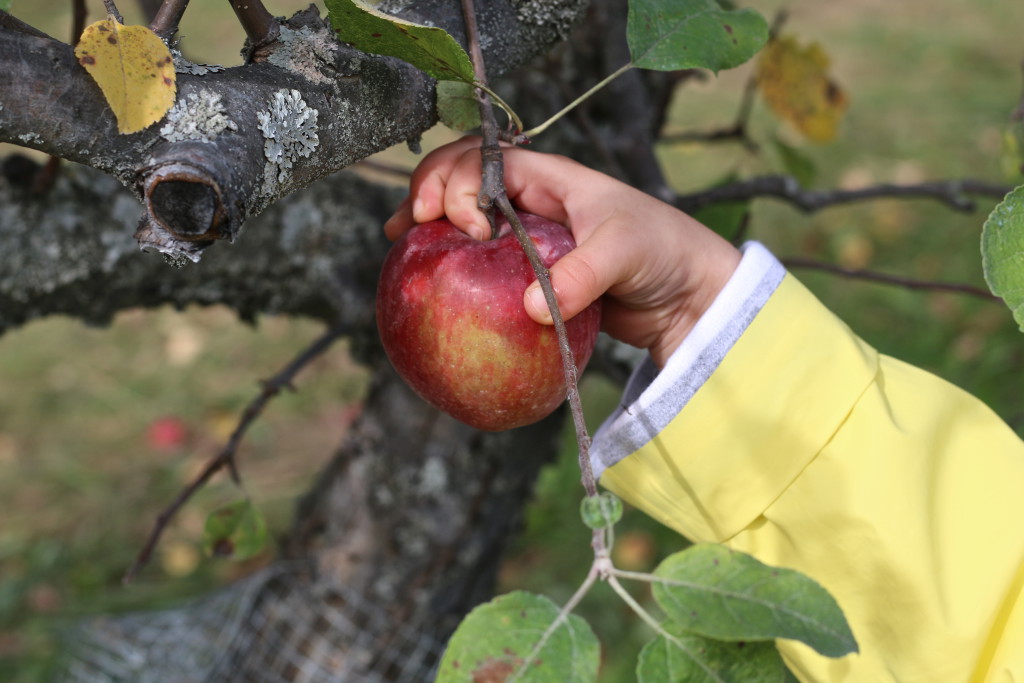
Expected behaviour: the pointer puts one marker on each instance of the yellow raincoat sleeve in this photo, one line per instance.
(780, 433)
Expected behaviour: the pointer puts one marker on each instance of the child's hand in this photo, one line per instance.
(660, 268)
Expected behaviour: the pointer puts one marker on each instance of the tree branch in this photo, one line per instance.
(260, 25)
(112, 10)
(241, 138)
(167, 17)
(887, 279)
(226, 457)
(953, 193)
(317, 254)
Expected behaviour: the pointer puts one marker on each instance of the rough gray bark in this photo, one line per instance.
(71, 252)
(238, 139)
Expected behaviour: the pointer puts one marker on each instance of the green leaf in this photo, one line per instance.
(687, 658)
(666, 35)
(601, 511)
(428, 48)
(725, 218)
(5, 5)
(236, 530)
(720, 593)
(457, 106)
(1002, 252)
(796, 163)
(494, 640)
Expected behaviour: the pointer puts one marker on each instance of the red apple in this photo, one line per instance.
(451, 317)
(166, 434)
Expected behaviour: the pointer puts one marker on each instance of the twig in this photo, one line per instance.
(953, 193)
(726, 134)
(79, 14)
(492, 193)
(884, 278)
(259, 24)
(226, 456)
(493, 168)
(165, 22)
(738, 130)
(149, 8)
(112, 10)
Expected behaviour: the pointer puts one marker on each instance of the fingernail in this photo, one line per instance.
(478, 230)
(535, 300)
(398, 210)
(417, 209)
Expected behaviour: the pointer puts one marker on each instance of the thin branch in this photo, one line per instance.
(226, 457)
(165, 22)
(112, 11)
(493, 170)
(493, 194)
(259, 24)
(738, 130)
(79, 14)
(884, 278)
(953, 193)
(149, 8)
(734, 132)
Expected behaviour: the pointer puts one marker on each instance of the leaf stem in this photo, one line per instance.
(563, 614)
(517, 123)
(537, 130)
(659, 629)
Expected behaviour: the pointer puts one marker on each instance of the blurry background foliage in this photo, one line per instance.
(100, 428)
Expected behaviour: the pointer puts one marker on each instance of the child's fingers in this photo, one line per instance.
(584, 274)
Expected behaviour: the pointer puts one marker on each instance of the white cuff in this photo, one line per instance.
(652, 398)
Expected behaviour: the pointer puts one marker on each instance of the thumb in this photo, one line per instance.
(578, 279)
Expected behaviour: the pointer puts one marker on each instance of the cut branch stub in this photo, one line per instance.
(185, 211)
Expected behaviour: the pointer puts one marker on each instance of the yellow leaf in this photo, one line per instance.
(133, 68)
(795, 83)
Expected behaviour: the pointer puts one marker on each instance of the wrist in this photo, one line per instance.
(713, 262)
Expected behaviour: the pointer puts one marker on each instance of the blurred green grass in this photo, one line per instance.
(931, 85)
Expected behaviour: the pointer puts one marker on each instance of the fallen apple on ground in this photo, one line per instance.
(451, 318)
